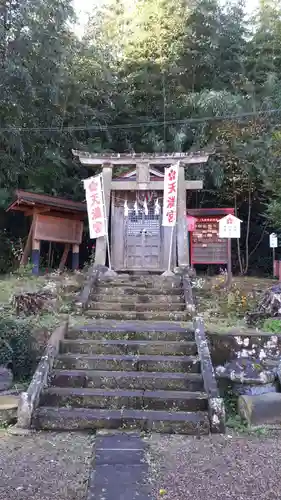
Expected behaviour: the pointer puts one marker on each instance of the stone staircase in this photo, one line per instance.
(134, 366)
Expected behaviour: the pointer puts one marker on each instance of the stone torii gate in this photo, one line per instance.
(143, 181)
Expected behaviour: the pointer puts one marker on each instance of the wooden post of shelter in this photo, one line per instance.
(28, 246)
(64, 257)
(35, 259)
(75, 257)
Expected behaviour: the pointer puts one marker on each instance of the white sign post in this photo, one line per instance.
(273, 243)
(170, 204)
(96, 209)
(273, 240)
(229, 227)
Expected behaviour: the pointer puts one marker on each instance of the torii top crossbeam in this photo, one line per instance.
(96, 159)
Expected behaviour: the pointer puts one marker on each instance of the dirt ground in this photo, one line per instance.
(44, 466)
(215, 467)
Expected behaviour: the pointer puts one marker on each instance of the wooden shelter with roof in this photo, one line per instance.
(53, 219)
(138, 241)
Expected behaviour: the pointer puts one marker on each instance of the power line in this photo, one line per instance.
(99, 128)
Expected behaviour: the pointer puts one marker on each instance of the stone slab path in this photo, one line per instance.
(120, 469)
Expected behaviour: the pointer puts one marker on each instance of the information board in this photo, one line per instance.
(57, 229)
(206, 246)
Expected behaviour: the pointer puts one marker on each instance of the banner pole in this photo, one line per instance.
(171, 248)
(106, 223)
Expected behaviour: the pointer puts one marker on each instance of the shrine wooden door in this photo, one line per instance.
(143, 241)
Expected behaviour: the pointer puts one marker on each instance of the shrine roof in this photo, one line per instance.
(25, 200)
(201, 212)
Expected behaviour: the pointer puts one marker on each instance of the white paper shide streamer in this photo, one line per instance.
(157, 207)
(126, 209)
(136, 208)
(145, 207)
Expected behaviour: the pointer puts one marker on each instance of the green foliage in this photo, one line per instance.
(17, 347)
(233, 420)
(272, 325)
(10, 250)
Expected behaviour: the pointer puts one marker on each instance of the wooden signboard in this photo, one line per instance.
(58, 229)
(206, 246)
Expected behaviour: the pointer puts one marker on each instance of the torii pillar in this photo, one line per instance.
(182, 233)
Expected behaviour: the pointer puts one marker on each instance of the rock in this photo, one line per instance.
(6, 378)
(254, 390)
(246, 371)
(261, 410)
(185, 271)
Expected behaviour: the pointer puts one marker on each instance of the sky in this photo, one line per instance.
(83, 7)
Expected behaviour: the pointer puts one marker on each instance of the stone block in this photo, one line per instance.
(262, 409)
(8, 409)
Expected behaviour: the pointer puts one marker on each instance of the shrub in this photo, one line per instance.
(272, 325)
(17, 347)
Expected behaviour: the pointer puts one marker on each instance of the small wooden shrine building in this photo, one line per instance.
(138, 241)
(53, 219)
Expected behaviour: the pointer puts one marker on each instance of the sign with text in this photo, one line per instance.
(229, 227)
(206, 245)
(95, 206)
(273, 240)
(170, 195)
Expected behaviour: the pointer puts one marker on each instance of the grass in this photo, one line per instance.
(42, 323)
(225, 309)
(14, 283)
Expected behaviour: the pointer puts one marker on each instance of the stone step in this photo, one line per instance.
(129, 362)
(69, 419)
(147, 282)
(132, 290)
(128, 380)
(134, 347)
(133, 315)
(134, 330)
(146, 307)
(123, 335)
(139, 299)
(114, 399)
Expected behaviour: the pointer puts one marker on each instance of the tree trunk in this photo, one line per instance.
(248, 230)
(238, 240)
